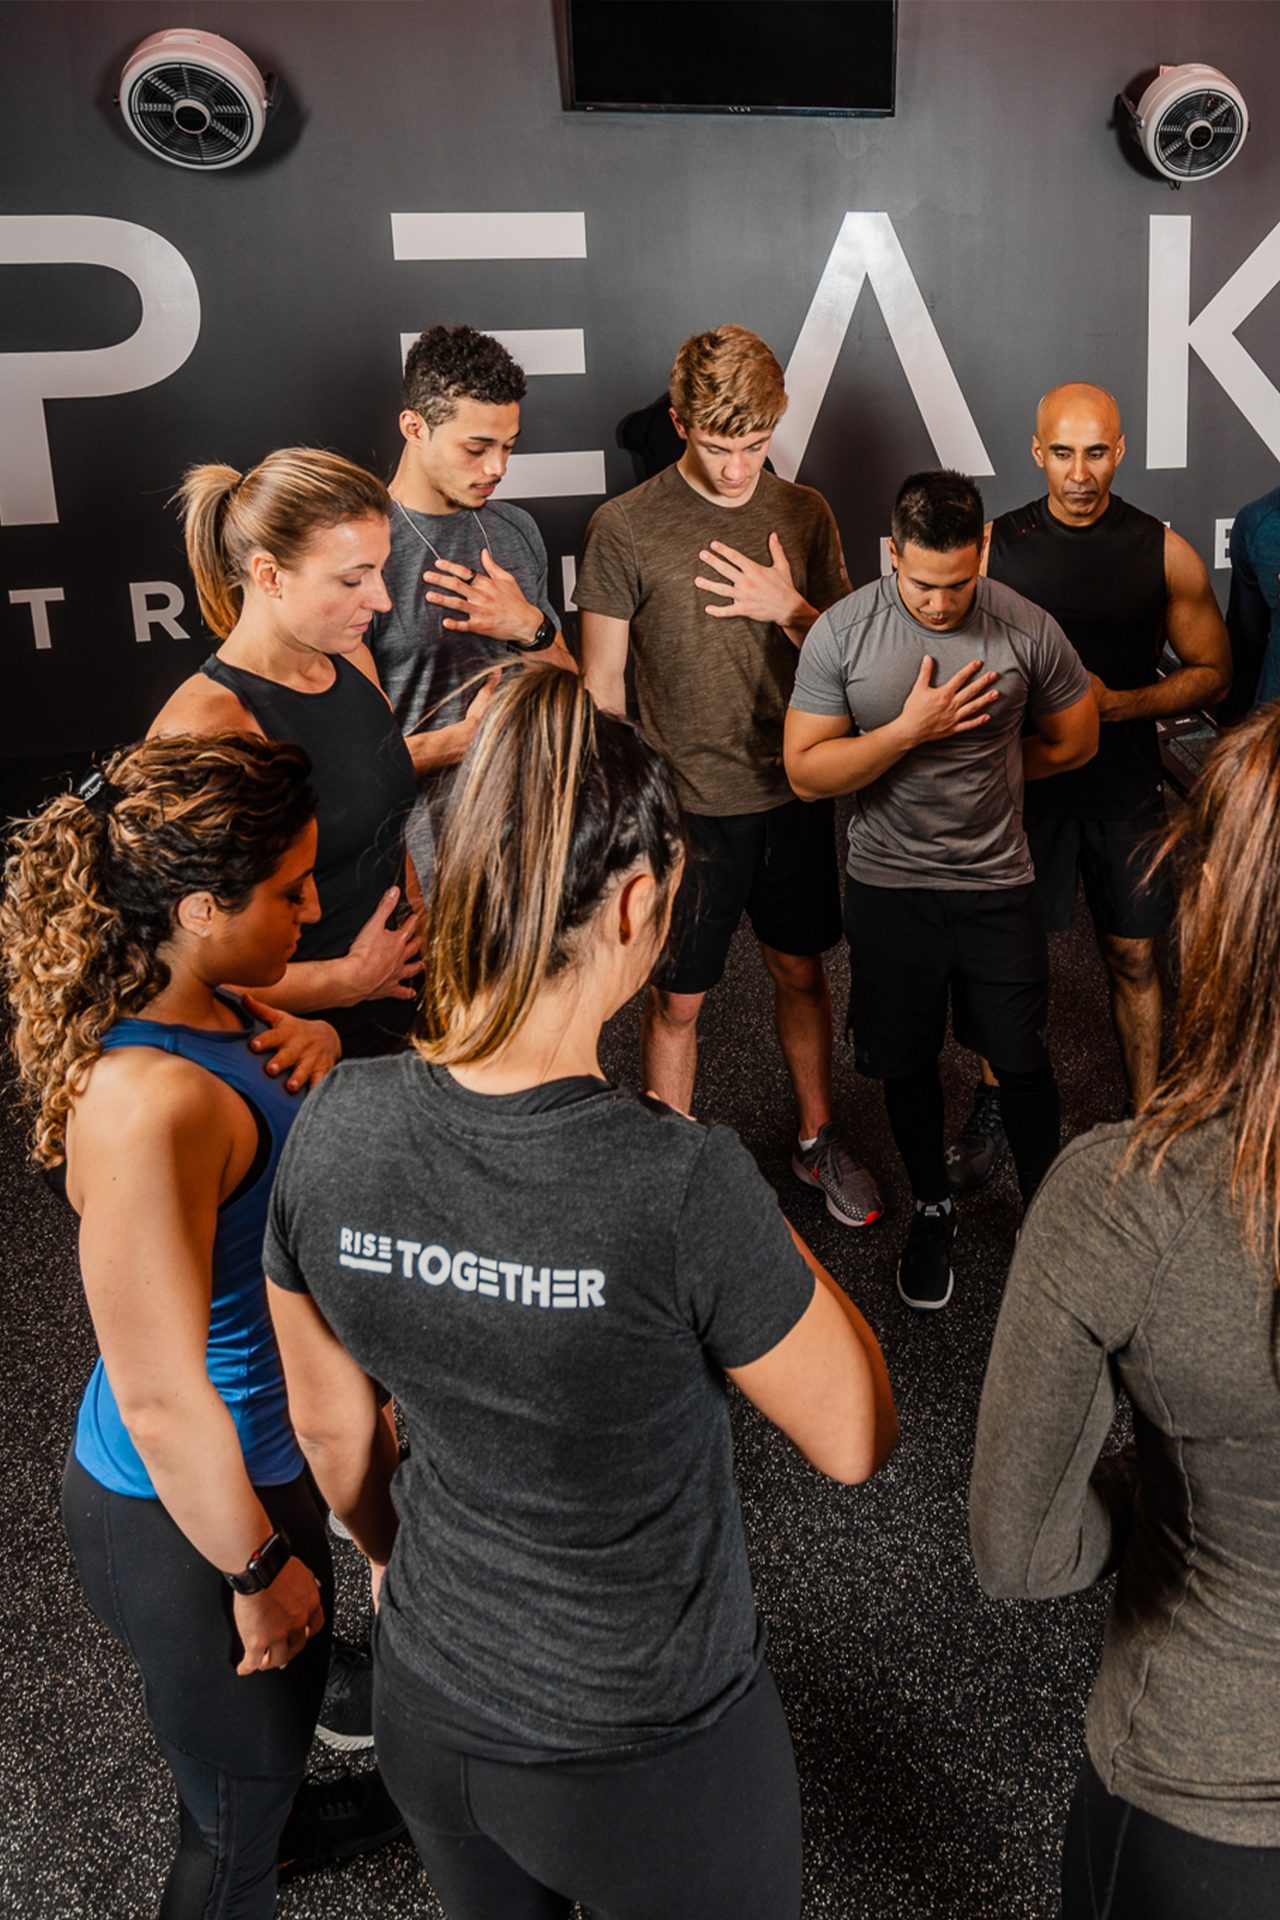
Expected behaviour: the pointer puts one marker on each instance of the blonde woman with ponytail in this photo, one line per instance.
(199, 1539)
(287, 561)
(554, 1278)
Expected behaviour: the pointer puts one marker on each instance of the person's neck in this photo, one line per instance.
(257, 644)
(412, 489)
(716, 499)
(559, 1039)
(188, 1000)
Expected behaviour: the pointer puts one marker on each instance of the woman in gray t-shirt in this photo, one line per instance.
(1149, 1263)
(553, 1278)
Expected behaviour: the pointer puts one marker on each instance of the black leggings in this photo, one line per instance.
(236, 1747)
(1119, 1863)
(1029, 1108)
(708, 1829)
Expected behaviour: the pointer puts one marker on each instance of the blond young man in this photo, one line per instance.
(707, 579)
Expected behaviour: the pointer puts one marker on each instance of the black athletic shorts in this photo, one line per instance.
(779, 868)
(911, 946)
(1111, 857)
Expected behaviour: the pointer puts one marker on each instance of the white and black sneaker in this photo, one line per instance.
(346, 1712)
(925, 1278)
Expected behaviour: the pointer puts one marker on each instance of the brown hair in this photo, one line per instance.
(557, 800)
(1226, 1055)
(727, 381)
(275, 508)
(92, 887)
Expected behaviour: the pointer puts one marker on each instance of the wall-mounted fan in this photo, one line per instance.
(194, 99)
(1191, 122)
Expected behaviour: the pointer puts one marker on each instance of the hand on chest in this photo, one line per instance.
(878, 684)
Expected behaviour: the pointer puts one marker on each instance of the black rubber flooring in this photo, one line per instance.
(937, 1732)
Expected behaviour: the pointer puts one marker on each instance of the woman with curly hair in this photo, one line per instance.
(198, 1535)
(287, 560)
(1148, 1266)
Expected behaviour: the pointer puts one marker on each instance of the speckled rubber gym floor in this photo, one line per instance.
(937, 1732)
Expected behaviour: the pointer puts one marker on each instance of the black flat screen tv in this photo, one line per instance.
(732, 56)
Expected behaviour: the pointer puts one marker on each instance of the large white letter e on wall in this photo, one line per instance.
(168, 331)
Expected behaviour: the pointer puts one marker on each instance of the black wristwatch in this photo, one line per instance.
(263, 1565)
(542, 638)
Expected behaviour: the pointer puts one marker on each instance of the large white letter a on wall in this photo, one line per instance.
(867, 248)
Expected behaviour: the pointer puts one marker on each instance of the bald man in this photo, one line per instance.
(1120, 584)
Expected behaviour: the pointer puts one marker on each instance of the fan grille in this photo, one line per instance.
(161, 90)
(1199, 133)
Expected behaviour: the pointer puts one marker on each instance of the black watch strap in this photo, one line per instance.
(263, 1565)
(542, 639)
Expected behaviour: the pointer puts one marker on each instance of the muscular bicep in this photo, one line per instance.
(1194, 625)
(816, 1385)
(1073, 729)
(804, 731)
(605, 643)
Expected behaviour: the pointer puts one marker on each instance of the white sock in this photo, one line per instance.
(807, 1146)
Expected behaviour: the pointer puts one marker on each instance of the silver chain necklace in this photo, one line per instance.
(484, 538)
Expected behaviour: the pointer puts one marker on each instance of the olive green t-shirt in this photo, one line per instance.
(714, 692)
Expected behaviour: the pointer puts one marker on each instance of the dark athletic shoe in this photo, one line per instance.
(346, 1712)
(973, 1156)
(925, 1278)
(333, 1820)
(850, 1191)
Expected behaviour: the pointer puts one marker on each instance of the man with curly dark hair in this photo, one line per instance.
(467, 576)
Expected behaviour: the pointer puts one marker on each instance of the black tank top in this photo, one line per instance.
(1105, 586)
(365, 785)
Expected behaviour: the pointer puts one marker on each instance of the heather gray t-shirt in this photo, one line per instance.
(422, 663)
(949, 813)
(551, 1292)
(1122, 1282)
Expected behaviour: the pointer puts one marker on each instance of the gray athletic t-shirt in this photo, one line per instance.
(422, 663)
(949, 813)
(551, 1296)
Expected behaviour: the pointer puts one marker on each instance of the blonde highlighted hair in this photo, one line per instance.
(91, 893)
(727, 381)
(275, 508)
(557, 800)
(1226, 1053)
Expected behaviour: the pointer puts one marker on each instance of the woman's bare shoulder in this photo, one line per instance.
(201, 705)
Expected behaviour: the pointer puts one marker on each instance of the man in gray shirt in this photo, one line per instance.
(467, 576)
(911, 694)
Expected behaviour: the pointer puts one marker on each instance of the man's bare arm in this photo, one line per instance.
(1198, 635)
(605, 644)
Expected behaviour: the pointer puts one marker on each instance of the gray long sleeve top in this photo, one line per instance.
(1122, 1282)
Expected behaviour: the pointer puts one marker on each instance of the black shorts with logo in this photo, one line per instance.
(778, 867)
(910, 948)
(1111, 858)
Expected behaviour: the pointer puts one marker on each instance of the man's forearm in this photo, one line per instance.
(1185, 690)
(846, 765)
(311, 986)
(439, 746)
(797, 627)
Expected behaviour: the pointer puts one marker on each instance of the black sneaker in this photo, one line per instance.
(333, 1820)
(973, 1156)
(925, 1278)
(346, 1712)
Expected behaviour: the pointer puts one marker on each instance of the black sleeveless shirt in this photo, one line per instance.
(1105, 586)
(365, 785)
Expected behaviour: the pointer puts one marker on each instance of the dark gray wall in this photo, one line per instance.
(1026, 230)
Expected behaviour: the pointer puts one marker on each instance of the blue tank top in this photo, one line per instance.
(242, 1358)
